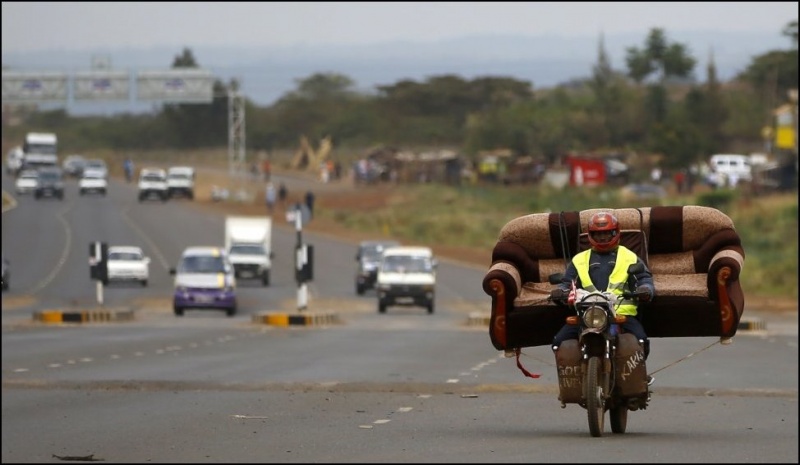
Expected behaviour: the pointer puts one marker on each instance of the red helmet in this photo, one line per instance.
(603, 232)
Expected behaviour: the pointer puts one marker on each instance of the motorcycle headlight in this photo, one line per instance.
(595, 317)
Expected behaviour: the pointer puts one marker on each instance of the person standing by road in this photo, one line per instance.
(310, 203)
(282, 193)
(270, 197)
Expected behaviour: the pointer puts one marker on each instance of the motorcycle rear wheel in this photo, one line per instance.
(595, 397)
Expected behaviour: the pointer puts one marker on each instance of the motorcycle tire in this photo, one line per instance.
(619, 418)
(595, 398)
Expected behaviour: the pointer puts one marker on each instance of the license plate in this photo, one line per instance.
(247, 274)
(204, 299)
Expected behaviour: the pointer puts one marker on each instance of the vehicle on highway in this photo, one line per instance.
(73, 165)
(51, 183)
(248, 240)
(96, 164)
(368, 257)
(204, 279)
(180, 181)
(153, 184)
(128, 263)
(14, 160)
(93, 182)
(406, 276)
(26, 182)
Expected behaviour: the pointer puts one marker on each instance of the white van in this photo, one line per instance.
(406, 276)
(180, 181)
(728, 169)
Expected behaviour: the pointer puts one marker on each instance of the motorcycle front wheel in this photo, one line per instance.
(595, 397)
(619, 418)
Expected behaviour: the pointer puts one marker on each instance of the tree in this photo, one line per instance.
(197, 124)
(657, 55)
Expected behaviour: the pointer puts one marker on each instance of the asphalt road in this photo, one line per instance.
(400, 387)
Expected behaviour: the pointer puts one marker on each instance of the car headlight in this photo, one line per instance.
(181, 289)
(595, 317)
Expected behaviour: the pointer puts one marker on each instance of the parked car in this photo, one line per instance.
(51, 183)
(26, 182)
(204, 279)
(368, 257)
(128, 263)
(93, 181)
(96, 164)
(73, 165)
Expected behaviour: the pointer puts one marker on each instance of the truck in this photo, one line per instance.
(153, 184)
(180, 181)
(248, 241)
(40, 149)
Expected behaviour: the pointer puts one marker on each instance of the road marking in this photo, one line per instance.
(156, 251)
(64, 253)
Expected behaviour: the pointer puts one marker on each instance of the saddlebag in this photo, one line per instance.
(570, 377)
(631, 372)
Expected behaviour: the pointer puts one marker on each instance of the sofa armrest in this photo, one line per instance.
(502, 282)
(725, 289)
(727, 258)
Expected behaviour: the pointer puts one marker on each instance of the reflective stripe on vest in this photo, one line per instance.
(617, 280)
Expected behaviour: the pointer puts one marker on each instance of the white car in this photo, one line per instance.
(96, 164)
(128, 263)
(27, 182)
(93, 181)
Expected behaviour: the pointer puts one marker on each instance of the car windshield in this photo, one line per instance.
(406, 264)
(179, 176)
(372, 252)
(247, 249)
(152, 177)
(202, 264)
(49, 175)
(125, 256)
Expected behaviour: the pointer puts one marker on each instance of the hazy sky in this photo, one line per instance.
(31, 26)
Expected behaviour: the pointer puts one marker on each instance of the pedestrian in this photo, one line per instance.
(310, 203)
(266, 168)
(282, 193)
(270, 197)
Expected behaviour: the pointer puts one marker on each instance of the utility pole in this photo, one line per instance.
(236, 132)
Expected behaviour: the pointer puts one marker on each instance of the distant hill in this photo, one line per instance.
(269, 73)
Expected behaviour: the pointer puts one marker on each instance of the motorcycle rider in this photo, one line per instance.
(604, 267)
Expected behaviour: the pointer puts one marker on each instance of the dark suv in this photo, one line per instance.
(368, 258)
(51, 183)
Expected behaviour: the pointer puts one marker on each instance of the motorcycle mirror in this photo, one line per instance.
(555, 278)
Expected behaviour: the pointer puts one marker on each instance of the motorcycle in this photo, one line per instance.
(604, 369)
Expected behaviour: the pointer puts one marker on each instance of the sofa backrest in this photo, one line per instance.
(679, 239)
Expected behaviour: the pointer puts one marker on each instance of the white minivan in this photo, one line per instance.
(728, 169)
(406, 276)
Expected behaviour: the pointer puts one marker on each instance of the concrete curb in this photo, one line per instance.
(745, 324)
(83, 316)
(296, 319)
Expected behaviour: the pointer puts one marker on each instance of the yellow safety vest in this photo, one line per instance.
(617, 280)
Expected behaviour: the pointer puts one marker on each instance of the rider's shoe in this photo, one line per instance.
(650, 380)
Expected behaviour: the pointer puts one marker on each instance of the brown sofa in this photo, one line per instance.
(694, 253)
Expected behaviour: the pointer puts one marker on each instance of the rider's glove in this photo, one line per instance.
(644, 293)
(558, 295)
